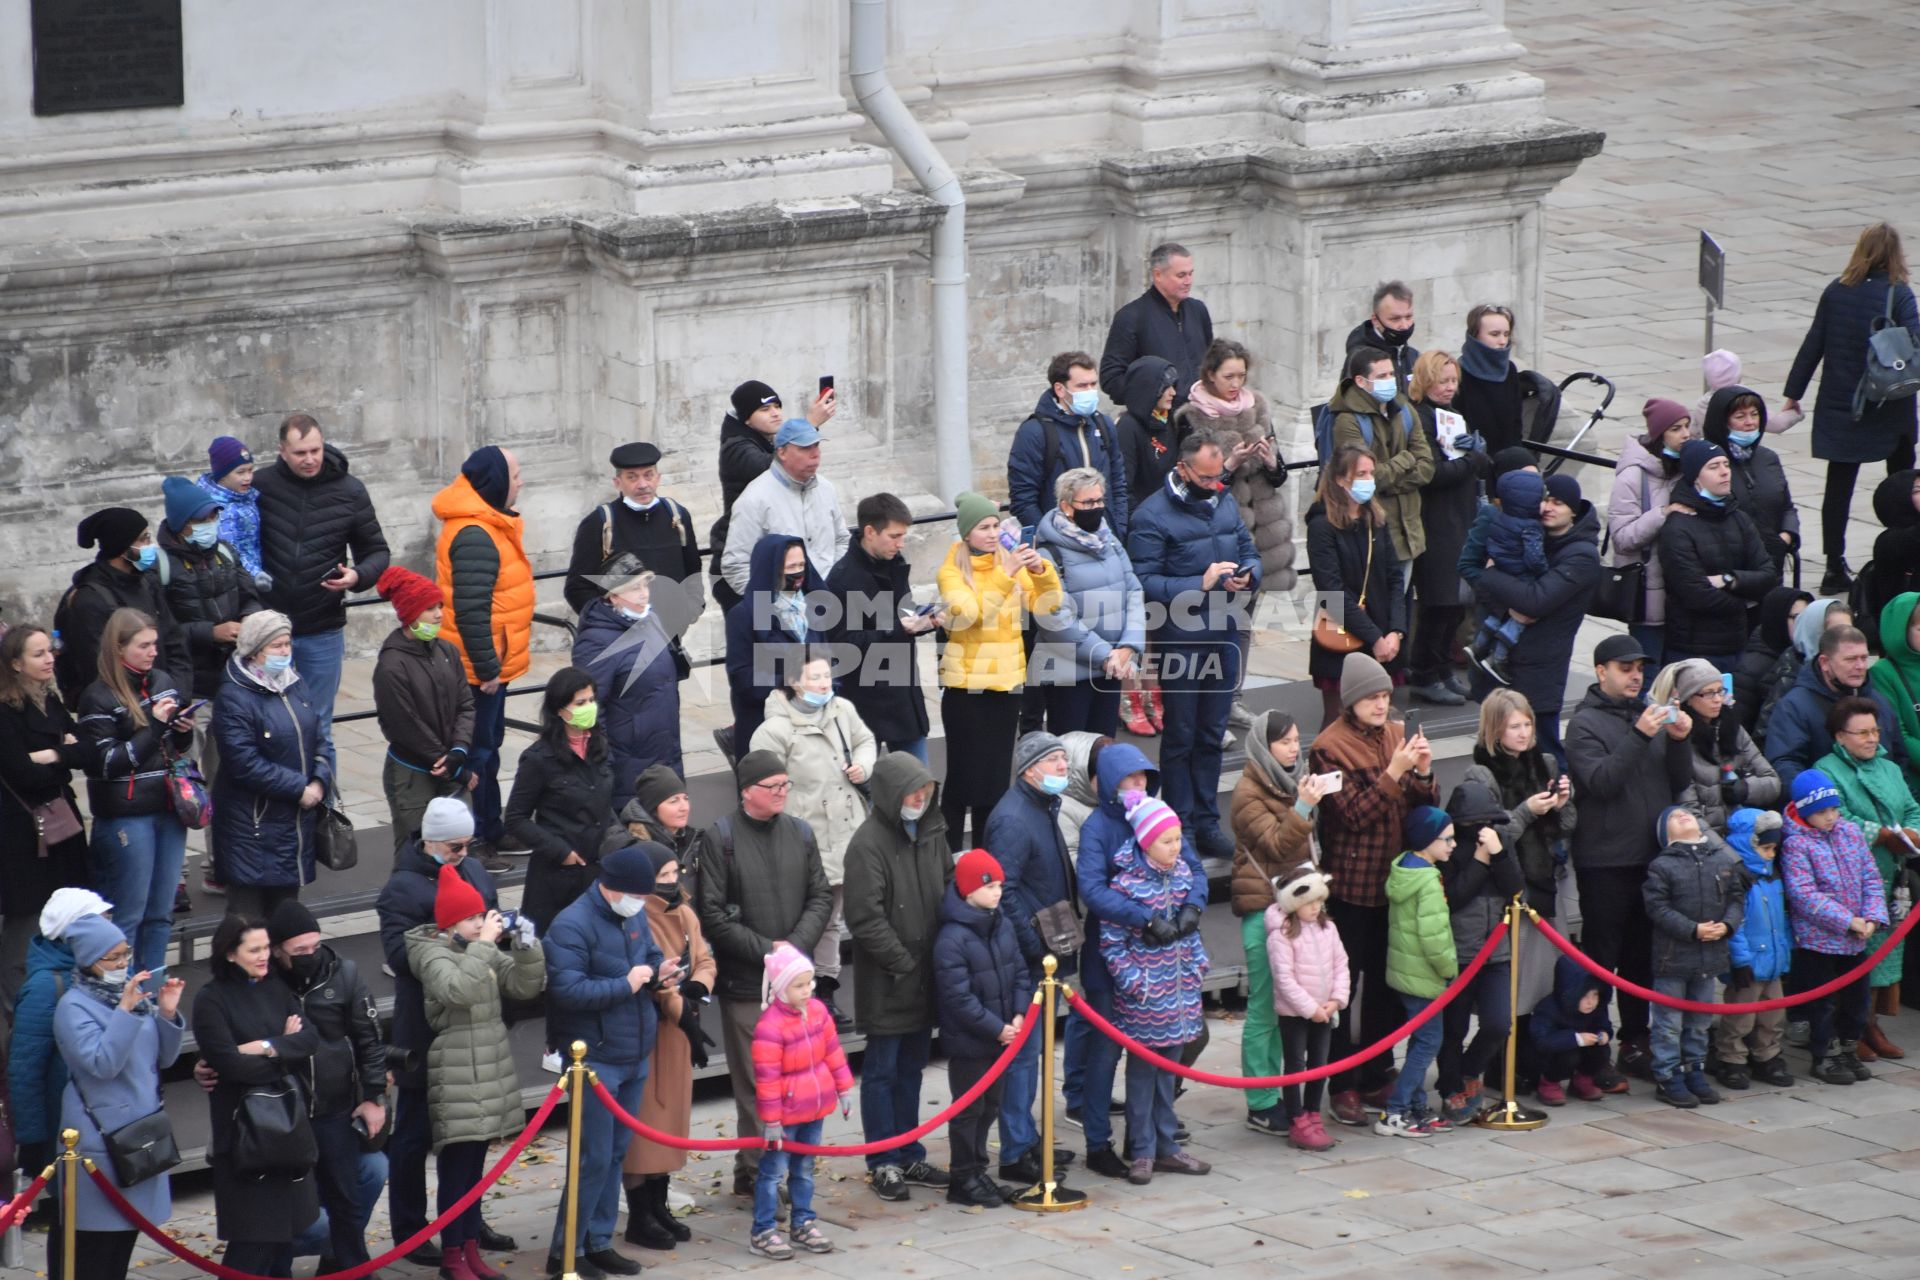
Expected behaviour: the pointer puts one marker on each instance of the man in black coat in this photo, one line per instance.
(319, 539)
(1165, 321)
(1389, 328)
(876, 657)
(446, 833)
(1715, 565)
(656, 530)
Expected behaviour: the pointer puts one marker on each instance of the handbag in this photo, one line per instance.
(54, 822)
(1059, 927)
(1330, 635)
(139, 1150)
(187, 793)
(1622, 593)
(333, 842)
(271, 1136)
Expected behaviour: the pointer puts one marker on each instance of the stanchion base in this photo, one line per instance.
(1512, 1118)
(1052, 1198)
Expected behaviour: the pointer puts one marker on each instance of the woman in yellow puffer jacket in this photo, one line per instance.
(985, 592)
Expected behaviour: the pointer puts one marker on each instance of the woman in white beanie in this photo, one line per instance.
(274, 773)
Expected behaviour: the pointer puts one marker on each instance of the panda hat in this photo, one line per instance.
(1296, 887)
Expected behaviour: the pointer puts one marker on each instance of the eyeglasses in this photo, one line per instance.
(458, 846)
(1712, 693)
(778, 788)
(1097, 504)
(1871, 731)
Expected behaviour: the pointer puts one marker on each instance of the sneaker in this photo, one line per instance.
(386, 968)
(723, 739)
(1103, 1161)
(485, 854)
(1773, 1071)
(812, 1239)
(922, 1174)
(1550, 1093)
(977, 1189)
(1076, 1117)
(1831, 1071)
(1674, 1092)
(1307, 1133)
(1212, 842)
(771, 1244)
(1607, 1080)
(1348, 1108)
(1636, 1060)
(1439, 693)
(1495, 669)
(1180, 1131)
(209, 885)
(182, 904)
(1140, 1172)
(1433, 1121)
(1697, 1086)
(1398, 1124)
(889, 1182)
(1239, 719)
(1851, 1061)
(1586, 1089)
(1458, 685)
(1181, 1162)
(1798, 1033)
(550, 1062)
(1731, 1074)
(1462, 1107)
(1272, 1121)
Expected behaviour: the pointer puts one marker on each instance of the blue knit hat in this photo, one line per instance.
(186, 502)
(1694, 455)
(1660, 824)
(224, 454)
(1425, 824)
(92, 937)
(1813, 791)
(1520, 493)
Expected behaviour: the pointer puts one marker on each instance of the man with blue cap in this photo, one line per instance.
(790, 497)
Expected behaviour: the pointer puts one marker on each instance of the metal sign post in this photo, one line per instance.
(1713, 283)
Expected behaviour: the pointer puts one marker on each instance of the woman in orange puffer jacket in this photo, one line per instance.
(799, 1073)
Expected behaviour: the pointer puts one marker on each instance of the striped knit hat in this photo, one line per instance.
(1149, 819)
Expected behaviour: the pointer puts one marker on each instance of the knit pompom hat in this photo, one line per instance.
(1149, 819)
(783, 964)
(410, 594)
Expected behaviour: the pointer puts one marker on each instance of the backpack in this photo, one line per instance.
(1893, 371)
(1323, 416)
(67, 675)
(163, 563)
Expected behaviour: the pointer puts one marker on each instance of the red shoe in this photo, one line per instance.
(1133, 711)
(1307, 1134)
(1155, 711)
(1585, 1089)
(1550, 1093)
(470, 1251)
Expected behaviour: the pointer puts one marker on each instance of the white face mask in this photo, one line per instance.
(114, 977)
(913, 812)
(641, 506)
(626, 906)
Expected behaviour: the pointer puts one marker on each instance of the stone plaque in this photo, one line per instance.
(106, 55)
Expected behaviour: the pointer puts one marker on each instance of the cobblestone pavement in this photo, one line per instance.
(1782, 128)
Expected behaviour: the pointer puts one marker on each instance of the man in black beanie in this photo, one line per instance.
(118, 578)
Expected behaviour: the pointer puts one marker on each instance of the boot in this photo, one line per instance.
(642, 1228)
(1863, 1047)
(453, 1264)
(824, 989)
(1886, 1000)
(1156, 712)
(470, 1254)
(1876, 1041)
(657, 1186)
(1133, 712)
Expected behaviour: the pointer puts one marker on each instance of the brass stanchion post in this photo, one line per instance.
(1049, 1196)
(1513, 1116)
(69, 1198)
(575, 1108)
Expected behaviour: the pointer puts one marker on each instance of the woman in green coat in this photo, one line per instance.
(473, 1091)
(1874, 797)
(1897, 674)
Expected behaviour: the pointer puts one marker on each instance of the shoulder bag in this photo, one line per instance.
(1330, 635)
(271, 1135)
(1622, 593)
(333, 841)
(187, 793)
(139, 1151)
(53, 822)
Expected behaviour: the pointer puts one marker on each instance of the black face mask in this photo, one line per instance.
(1089, 521)
(306, 968)
(796, 581)
(1394, 337)
(668, 893)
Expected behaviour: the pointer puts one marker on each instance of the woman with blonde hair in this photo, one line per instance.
(1448, 504)
(1873, 285)
(1356, 575)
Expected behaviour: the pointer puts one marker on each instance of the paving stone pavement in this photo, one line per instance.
(1783, 128)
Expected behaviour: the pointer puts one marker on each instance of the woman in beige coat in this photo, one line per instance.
(678, 1049)
(829, 754)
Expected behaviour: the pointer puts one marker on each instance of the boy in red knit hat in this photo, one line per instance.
(425, 708)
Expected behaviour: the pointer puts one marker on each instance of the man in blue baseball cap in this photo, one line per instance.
(791, 497)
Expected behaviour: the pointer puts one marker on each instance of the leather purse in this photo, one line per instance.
(1059, 927)
(54, 822)
(140, 1150)
(333, 843)
(1330, 635)
(271, 1136)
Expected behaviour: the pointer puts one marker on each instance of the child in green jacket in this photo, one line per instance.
(1420, 964)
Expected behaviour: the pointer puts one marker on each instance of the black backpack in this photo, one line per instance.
(67, 675)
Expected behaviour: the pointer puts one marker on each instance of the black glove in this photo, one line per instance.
(690, 1019)
(697, 1045)
(1188, 920)
(693, 992)
(1742, 976)
(1161, 931)
(457, 764)
(1735, 792)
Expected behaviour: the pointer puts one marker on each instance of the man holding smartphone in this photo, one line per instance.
(876, 654)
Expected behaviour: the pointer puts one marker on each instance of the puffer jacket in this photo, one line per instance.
(1263, 496)
(239, 524)
(1421, 959)
(744, 455)
(1713, 747)
(480, 562)
(1557, 1020)
(1797, 726)
(1050, 443)
(1557, 600)
(204, 588)
(269, 751)
(127, 765)
(98, 589)
(1078, 800)
(473, 1089)
(309, 526)
(980, 980)
(350, 1064)
(1831, 881)
(1686, 886)
(1636, 511)
(1763, 942)
(404, 904)
(1706, 619)
(639, 690)
(758, 636)
(1173, 539)
(800, 1071)
(1477, 895)
(1873, 793)
(1270, 834)
(1360, 566)
(1759, 479)
(1837, 338)
(1101, 608)
(1023, 831)
(1897, 675)
(36, 1073)
(422, 699)
(1309, 968)
(985, 610)
(590, 951)
(1150, 444)
(760, 882)
(1156, 988)
(1752, 675)
(817, 744)
(1403, 460)
(895, 878)
(560, 804)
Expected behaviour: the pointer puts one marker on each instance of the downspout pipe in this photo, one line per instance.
(867, 69)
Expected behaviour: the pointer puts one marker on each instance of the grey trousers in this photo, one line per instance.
(409, 791)
(737, 1021)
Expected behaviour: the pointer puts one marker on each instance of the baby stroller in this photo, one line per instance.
(1540, 401)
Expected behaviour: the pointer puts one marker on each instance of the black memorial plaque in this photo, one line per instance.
(106, 55)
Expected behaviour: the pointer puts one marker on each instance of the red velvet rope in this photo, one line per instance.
(961, 1103)
(22, 1202)
(1599, 971)
(1347, 1063)
(399, 1251)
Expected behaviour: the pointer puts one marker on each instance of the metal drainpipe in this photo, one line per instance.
(867, 69)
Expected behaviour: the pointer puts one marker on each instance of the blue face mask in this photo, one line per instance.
(1384, 389)
(1054, 783)
(1745, 439)
(809, 698)
(277, 663)
(1086, 403)
(1719, 501)
(144, 557)
(632, 615)
(1668, 453)
(1362, 490)
(204, 535)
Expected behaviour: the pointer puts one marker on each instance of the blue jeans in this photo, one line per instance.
(489, 731)
(890, 1093)
(1150, 1121)
(1073, 1058)
(350, 1181)
(1018, 1133)
(603, 1145)
(917, 748)
(135, 864)
(1196, 692)
(1410, 1089)
(318, 659)
(1100, 1058)
(1679, 1041)
(799, 1173)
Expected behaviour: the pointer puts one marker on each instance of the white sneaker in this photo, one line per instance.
(1399, 1125)
(550, 1062)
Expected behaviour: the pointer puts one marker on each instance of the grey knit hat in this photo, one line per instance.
(1362, 677)
(1032, 748)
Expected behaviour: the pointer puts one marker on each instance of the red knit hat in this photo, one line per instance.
(455, 900)
(410, 594)
(975, 869)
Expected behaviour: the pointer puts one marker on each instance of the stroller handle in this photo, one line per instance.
(1584, 376)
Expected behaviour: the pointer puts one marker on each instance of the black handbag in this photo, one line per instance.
(271, 1135)
(333, 842)
(140, 1150)
(1622, 593)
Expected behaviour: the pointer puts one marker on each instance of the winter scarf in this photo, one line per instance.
(1213, 406)
(1489, 364)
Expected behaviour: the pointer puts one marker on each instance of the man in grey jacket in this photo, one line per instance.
(761, 884)
(790, 497)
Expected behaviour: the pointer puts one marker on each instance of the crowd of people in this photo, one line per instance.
(1755, 762)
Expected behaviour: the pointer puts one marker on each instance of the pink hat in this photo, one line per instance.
(784, 963)
(1149, 818)
(1721, 368)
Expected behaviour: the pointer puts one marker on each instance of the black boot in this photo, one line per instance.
(662, 1212)
(825, 988)
(642, 1228)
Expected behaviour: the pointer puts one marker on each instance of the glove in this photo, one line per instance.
(846, 1107)
(772, 1133)
(1735, 792)
(1188, 920)
(689, 1017)
(525, 934)
(694, 992)
(1742, 976)
(1161, 931)
(457, 764)
(698, 1042)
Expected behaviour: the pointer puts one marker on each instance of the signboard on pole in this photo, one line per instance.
(1713, 270)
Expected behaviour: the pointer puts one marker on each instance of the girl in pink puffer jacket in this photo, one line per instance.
(800, 1074)
(1310, 987)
